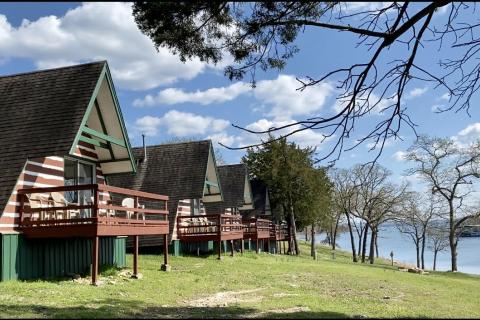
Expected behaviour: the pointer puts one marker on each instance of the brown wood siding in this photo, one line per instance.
(45, 172)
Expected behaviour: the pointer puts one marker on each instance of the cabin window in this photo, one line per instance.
(195, 207)
(77, 172)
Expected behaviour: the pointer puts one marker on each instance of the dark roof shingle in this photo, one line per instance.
(177, 170)
(41, 115)
(232, 182)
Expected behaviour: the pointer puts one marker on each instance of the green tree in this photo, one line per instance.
(286, 170)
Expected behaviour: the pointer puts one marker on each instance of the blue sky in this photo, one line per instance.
(167, 99)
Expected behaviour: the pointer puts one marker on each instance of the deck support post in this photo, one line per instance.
(284, 247)
(231, 248)
(257, 248)
(135, 257)
(165, 266)
(242, 248)
(219, 249)
(268, 245)
(95, 244)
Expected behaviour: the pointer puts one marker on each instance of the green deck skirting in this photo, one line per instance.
(25, 259)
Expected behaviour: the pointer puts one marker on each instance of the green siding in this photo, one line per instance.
(48, 258)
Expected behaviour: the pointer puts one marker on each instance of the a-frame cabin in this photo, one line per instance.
(62, 134)
(187, 172)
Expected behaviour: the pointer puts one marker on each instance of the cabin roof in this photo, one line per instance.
(178, 170)
(42, 113)
(232, 180)
(175, 169)
(259, 192)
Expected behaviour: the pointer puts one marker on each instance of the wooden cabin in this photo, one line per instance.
(237, 199)
(62, 135)
(188, 174)
(262, 209)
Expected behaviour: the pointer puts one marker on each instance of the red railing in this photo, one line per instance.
(107, 205)
(255, 228)
(208, 226)
(279, 231)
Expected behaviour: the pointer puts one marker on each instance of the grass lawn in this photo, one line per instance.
(251, 286)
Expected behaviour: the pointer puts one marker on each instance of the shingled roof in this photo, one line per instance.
(177, 170)
(259, 192)
(41, 114)
(232, 181)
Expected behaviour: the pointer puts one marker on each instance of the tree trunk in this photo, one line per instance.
(423, 250)
(360, 238)
(452, 237)
(376, 244)
(294, 230)
(306, 234)
(435, 259)
(364, 243)
(352, 239)
(371, 255)
(334, 238)
(312, 252)
(417, 248)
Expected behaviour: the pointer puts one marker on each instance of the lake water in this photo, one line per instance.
(390, 239)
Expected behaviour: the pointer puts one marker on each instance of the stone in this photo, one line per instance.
(166, 267)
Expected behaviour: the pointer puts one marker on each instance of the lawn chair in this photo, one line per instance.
(130, 203)
(59, 201)
(35, 201)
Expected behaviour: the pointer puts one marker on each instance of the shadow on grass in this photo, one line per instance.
(114, 308)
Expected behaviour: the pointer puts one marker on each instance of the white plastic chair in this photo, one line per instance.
(128, 203)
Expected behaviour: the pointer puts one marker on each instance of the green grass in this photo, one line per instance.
(262, 285)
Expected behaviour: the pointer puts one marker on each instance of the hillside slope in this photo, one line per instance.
(251, 286)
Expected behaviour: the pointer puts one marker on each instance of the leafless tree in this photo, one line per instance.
(344, 191)
(391, 38)
(451, 171)
(414, 220)
(376, 200)
(438, 241)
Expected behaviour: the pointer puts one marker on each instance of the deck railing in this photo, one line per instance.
(210, 225)
(279, 231)
(256, 228)
(100, 204)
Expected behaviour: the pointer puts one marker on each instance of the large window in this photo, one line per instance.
(78, 172)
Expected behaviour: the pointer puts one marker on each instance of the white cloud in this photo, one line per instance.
(445, 96)
(399, 156)
(417, 92)
(172, 96)
(279, 96)
(305, 138)
(96, 31)
(286, 101)
(388, 143)
(180, 124)
(374, 103)
(468, 135)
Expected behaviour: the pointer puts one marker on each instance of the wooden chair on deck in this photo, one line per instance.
(35, 201)
(59, 200)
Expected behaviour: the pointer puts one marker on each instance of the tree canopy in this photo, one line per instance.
(263, 35)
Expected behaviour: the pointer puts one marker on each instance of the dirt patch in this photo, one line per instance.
(223, 299)
(283, 294)
(289, 310)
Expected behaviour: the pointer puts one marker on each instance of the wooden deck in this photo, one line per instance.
(102, 215)
(280, 234)
(255, 228)
(211, 227)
